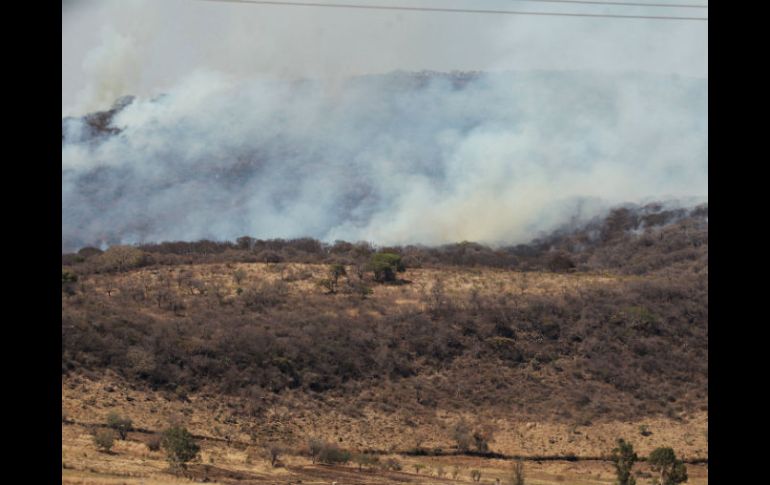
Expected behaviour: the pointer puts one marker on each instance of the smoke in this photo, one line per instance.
(258, 132)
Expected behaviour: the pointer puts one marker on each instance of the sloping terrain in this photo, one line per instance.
(553, 350)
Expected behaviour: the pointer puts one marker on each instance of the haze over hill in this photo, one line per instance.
(398, 158)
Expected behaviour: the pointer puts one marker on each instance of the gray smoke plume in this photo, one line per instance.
(244, 144)
(393, 159)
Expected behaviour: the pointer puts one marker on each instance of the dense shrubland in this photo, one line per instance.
(632, 240)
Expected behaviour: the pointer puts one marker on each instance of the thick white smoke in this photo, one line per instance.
(235, 146)
(383, 158)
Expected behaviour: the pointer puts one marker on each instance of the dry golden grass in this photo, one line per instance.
(89, 402)
(131, 463)
(303, 280)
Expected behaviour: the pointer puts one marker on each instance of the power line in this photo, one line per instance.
(452, 10)
(629, 4)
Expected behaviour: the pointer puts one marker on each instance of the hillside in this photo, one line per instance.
(555, 348)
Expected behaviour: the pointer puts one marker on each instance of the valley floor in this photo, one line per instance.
(231, 457)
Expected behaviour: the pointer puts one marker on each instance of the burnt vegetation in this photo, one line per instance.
(633, 348)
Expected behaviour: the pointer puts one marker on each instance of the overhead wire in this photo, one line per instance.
(453, 10)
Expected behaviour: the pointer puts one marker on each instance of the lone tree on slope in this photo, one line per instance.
(624, 457)
(670, 470)
(180, 446)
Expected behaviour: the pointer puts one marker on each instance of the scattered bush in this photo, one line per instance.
(272, 453)
(238, 276)
(121, 424)
(331, 454)
(104, 439)
(392, 464)
(367, 460)
(154, 443)
(314, 447)
(462, 435)
(179, 445)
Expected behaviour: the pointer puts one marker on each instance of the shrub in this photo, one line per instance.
(270, 257)
(265, 295)
(68, 280)
(559, 262)
(385, 265)
(179, 445)
(120, 258)
(392, 464)
(331, 455)
(314, 447)
(89, 251)
(481, 439)
(365, 460)
(238, 276)
(461, 433)
(272, 453)
(121, 424)
(335, 271)
(68, 277)
(153, 444)
(104, 439)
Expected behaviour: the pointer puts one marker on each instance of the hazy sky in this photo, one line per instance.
(141, 47)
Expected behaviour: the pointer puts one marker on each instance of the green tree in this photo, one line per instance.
(670, 470)
(179, 445)
(385, 266)
(121, 424)
(623, 458)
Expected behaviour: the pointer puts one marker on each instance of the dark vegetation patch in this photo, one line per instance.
(638, 347)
